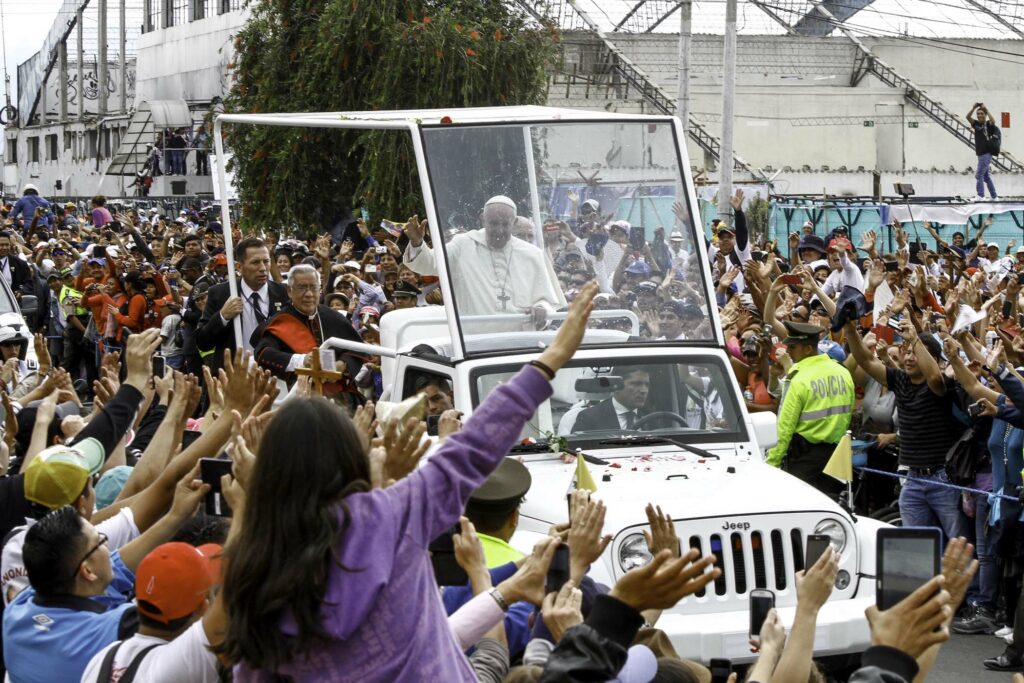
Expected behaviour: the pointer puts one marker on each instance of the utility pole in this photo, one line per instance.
(685, 31)
(728, 106)
(101, 58)
(124, 60)
(81, 67)
(62, 77)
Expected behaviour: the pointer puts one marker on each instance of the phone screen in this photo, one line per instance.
(907, 559)
(761, 602)
(159, 366)
(816, 545)
(211, 470)
(558, 572)
(720, 670)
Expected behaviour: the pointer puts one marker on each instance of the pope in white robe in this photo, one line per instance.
(492, 271)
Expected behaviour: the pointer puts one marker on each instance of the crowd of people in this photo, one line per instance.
(117, 564)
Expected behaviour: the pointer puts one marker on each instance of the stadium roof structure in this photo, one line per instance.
(927, 20)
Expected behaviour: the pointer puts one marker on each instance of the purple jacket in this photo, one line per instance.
(387, 619)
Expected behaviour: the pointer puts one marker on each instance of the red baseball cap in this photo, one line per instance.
(220, 260)
(173, 581)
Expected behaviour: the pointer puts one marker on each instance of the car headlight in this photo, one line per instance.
(633, 552)
(835, 532)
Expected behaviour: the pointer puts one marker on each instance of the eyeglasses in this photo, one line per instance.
(102, 542)
(303, 289)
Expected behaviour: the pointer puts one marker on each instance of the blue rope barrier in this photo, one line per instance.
(897, 475)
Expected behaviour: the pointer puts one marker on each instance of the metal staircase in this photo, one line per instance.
(868, 62)
(651, 92)
(130, 158)
(934, 110)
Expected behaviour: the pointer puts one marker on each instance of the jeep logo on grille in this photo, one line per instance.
(730, 526)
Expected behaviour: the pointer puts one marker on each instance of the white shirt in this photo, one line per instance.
(620, 413)
(249, 321)
(119, 529)
(186, 658)
(5, 268)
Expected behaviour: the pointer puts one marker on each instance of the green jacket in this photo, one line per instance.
(818, 404)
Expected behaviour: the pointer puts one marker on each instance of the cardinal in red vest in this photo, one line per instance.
(286, 340)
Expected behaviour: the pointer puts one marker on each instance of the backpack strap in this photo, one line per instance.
(107, 667)
(128, 676)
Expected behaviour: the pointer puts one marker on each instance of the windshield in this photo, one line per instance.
(530, 213)
(691, 399)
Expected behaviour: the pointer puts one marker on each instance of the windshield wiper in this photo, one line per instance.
(545, 447)
(653, 440)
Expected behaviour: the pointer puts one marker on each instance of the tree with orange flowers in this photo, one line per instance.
(356, 55)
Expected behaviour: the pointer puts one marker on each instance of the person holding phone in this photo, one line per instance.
(816, 409)
(987, 142)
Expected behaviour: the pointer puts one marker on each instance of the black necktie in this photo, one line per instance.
(630, 419)
(255, 299)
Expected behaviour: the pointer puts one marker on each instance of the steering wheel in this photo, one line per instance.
(675, 417)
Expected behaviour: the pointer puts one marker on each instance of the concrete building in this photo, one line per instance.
(802, 112)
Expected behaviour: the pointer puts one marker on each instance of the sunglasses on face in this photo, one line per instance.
(102, 542)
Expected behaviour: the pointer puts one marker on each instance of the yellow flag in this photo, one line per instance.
(584, 480)
(840, 465)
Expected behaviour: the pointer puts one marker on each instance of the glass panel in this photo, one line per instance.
(531, 213)
(692, 400)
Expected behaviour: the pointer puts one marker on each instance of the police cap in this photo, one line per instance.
(802, 333)
(504, 489)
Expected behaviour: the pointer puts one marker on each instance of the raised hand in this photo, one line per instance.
(42, 350)
(528, 582)
(449, 423)
(138, 354)
(814, 585)
(562, 610)
(414, 231)
(916, 623)
(586, 542)
(187, 495)
(404, 448)
(570, 334)
(737, 200)
(663, 582)
(662, 535)
(469, 554)
(365, 420)
(958, 567)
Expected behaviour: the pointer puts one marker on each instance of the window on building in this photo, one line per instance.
(11, 151)
(67, 141)
(51, 147)
(90, 144)
(33, 150)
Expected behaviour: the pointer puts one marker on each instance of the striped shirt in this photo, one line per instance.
(927, 427)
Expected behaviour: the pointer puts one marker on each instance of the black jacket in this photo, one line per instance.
(595, 650)
(600, 417)
(213, 333)
(273, 353)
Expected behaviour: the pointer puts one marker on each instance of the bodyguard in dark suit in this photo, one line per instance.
(259, 299)
(626, 406)
(13, 269)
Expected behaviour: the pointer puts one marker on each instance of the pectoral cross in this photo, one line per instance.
(503, 299)
(318, 374)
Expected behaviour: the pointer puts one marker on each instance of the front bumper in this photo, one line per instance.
(841, 628)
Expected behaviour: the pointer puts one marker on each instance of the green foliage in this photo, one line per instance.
(757, 217)
(358, 55)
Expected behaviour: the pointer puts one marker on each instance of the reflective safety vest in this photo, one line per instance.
(69, 293)
(818, 404)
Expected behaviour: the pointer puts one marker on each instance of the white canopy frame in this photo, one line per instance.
(414, 121)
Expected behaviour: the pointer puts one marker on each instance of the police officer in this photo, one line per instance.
(815, 411)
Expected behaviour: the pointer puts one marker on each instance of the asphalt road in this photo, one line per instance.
(960, 661)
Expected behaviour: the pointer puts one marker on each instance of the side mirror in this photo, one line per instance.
(29, 305)
(766, 429)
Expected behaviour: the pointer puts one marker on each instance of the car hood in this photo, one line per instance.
(685, 486)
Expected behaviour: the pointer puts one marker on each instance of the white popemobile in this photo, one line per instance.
(659, 421)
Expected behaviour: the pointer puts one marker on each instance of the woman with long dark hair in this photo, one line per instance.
(330, 580)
